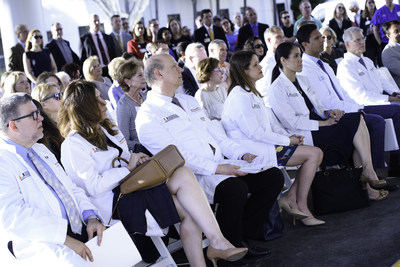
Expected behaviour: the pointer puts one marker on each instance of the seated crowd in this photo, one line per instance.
(226, 97)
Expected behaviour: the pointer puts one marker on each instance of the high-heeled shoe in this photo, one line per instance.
(230, 254)
(373, 183)
(295, 213)
(382, 195)
(312, 222)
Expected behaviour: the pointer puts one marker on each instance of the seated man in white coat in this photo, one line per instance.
(41, 209)
(391, 53)
(273, 36)
(168, 118)
(330, 93)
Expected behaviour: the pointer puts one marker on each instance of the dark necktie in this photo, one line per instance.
(176, 102)
(333, 85)
(103, 53)
(69, 204)
(362, 62)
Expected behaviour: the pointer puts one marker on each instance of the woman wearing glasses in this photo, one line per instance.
(49, 96)
(339, 23)
(211, 95)
(331, 54)
(37, 59)
(373, 50)
(255, 45)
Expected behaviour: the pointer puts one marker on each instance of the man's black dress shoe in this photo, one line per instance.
(239, 263)
(255, 251)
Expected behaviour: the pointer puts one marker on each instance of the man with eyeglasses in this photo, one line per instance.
(391, 53)
(306, 9)
(47, 216)
(60, 48)
(287, 26)
(388, 12)
(15, 61)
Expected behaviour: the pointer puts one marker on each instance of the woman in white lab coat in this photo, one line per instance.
(294, 103)
(249, 122)
(92, 142)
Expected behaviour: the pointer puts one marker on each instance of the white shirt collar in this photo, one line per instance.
(313, 59)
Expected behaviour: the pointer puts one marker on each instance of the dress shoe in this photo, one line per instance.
(312, 222)
(230, 254)
(294, 213)
(254, 251)
(382, 195)
(239, 263)
(373, 183)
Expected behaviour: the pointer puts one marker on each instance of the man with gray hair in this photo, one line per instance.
(15, 60)
(305, 9)
(60, 48)
(194, 53)
(45, 213)
(355, 8)
(358, 75)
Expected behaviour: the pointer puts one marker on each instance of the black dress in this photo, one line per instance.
(346, 23)
(40, 61)
(372, 48)
(340, 134)
(330, 59)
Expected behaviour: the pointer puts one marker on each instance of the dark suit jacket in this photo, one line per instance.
(201, 35)
(58, 56)
(245, 32)
(88, 47)
(189, 82)
(15, 60)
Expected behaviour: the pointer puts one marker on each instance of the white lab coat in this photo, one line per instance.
(250, 123)
(262, 85)
(323, 89)
(30, 212)
(365, 86)
(160, 123)
(290, 108)
(90, 168)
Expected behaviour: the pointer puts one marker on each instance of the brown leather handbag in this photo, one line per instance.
(153, 172)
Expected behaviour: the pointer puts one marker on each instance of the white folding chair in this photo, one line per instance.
(391, 143)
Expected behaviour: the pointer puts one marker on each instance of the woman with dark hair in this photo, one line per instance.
(231, 36)
(250, 123)
(73, 70)
(130, 77)
(137, 45)
(339, 23)
(255, 45)
(37, 59)
(165, 35)
(373, 49)
(211, 95)
(293, 101)
(177, 34)
(92, 142)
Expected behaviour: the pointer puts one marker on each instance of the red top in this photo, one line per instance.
(136, 48)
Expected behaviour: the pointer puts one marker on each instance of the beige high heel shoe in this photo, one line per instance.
(230, 254)
(312, 222)
(294, 213)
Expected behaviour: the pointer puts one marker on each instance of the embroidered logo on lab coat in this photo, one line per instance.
(95, 149)
(360, 72)
(256, 106)
(292, 94)
(122, 140)
(24, 175)
(195, 109)
(170, 118)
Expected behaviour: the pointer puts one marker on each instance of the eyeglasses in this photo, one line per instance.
(125, 24)
(38, 37)
(35, 116)
(329, 37)
(258, 46)
(359, 40)
(57, 96)
(370, 3)
(59, 29)
(286, 17)
(225, 23)
(218, 69)
(340, 7)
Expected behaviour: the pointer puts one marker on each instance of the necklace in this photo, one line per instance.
(138, 102)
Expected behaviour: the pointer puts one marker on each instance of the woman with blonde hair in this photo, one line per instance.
(37, 59)
(331, 54)
(16, 82)
(339, 23)
(49, 96)
(92, 142)
(92, 72)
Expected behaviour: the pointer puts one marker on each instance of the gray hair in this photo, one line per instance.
(214, 45)
(9, 108)
(269, 31)
(153, 63)
(18, 28)
(348, 34)
(191, 48)
(354, 3)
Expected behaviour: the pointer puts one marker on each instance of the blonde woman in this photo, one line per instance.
(16, 82)
(37, 59)
(331, 54)
(49, 96)
(340, 22)
(92, 72)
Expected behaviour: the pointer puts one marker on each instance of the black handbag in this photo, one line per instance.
(338, 190)
(273, 227)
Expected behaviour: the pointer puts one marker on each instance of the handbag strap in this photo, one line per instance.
(119, 159)
(112, 144)
(335, 148)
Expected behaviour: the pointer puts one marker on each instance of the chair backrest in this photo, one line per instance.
(390, 136)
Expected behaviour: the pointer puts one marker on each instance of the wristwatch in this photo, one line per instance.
(91, 217)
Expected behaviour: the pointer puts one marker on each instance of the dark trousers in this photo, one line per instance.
(389, 112)
(240, 216)
(376, 129)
